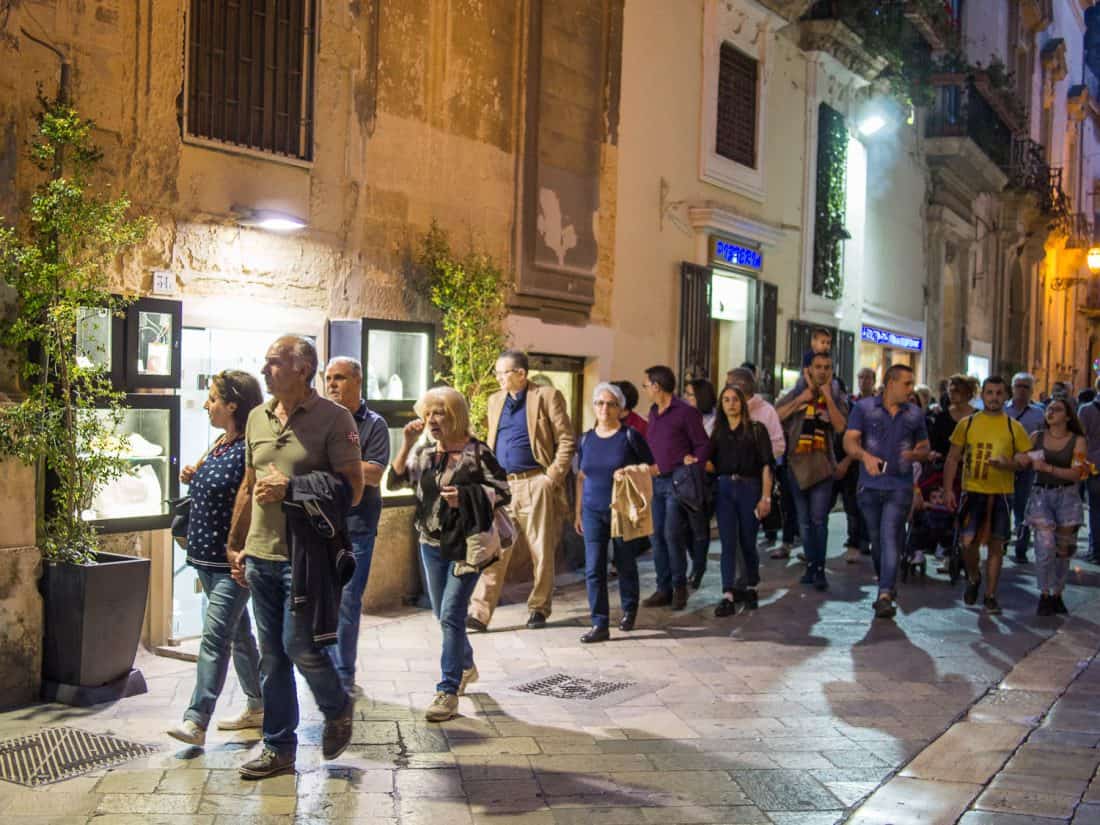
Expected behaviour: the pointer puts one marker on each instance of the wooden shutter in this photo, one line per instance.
(767, 316)
(737, 83)
(250, 74)
(694, 322)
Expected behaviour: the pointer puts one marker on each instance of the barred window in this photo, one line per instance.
(737, 82)
(250, 74)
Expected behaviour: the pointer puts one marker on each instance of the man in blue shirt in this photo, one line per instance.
(887, 435)
(532, 438)
(344, 384)
(1030, 416)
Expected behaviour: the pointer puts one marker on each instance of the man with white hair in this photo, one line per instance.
(1030, 416)
(344, 384)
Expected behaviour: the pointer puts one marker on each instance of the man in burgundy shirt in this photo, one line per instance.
(676, 436)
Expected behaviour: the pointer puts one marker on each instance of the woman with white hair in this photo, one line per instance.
(436, 468)
(602, 453)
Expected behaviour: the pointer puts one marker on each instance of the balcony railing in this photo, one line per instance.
(1079, 231)
(1028, 171)
(960, 110)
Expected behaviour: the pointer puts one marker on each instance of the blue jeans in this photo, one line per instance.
(450, 595)
(1021, 493)
(885, 512)
(225, 628)
(812, 506)
(669, 552)
(343, 653)
(1052, 509)
(699, 529)
(597, 533)
(286, 641)
(1092, 488)
(734, 504)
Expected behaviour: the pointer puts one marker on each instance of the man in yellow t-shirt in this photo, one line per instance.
(994, 446)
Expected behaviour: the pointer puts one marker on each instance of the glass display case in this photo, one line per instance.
(397, 369)
(397, 360)
(147, 436)
(153, 337)
(100, 338)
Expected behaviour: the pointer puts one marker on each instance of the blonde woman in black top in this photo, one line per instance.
(742, 460)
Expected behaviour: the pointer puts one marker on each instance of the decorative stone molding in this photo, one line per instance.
(1053, 58)
(712, 217)
(749, 28)
(1036, 15)
(789, 10)
(1077, 102)
(835, 38)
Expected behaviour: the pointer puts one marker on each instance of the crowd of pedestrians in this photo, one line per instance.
(286, 505)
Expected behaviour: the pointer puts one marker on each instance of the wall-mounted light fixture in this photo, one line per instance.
(1093, 260)
(268, 219)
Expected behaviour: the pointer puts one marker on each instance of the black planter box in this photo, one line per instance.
(94, 614)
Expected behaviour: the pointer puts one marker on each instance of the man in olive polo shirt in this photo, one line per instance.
(295, 433)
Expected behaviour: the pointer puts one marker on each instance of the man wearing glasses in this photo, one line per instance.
(532, 438)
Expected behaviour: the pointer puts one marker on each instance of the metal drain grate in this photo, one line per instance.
(54, 754)
(564, 686)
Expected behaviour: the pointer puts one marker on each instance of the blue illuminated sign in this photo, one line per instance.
(875, 335)
(735, 255)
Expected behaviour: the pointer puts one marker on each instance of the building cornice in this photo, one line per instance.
(715, 218)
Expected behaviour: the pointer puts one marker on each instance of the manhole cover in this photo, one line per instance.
(54, 754)
(564, 686)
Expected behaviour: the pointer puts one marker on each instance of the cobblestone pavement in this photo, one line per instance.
(794, 715)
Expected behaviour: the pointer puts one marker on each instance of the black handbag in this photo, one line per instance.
(774, 520)
(690, 487)
(181, 518)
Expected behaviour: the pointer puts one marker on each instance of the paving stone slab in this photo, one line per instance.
(968, 753)
(1087, 814)
(1045, 760)
(786, 790)
(994, 818)
(1028, 803)
(912, 801)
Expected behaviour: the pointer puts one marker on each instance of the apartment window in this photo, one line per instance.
(736, 126)
(250, 74)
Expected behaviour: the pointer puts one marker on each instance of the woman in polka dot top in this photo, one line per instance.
(226, 627)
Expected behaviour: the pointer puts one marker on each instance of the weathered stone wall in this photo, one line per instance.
(20, 602)
(418, 107)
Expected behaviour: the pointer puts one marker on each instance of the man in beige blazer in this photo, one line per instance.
(532, 437)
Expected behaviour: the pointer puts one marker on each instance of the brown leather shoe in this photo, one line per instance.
(659, 599)
(680, 597)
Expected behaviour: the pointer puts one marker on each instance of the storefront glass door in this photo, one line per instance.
(732, 310)
(205, 352)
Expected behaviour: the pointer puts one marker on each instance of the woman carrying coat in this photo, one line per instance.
(436, 469)
(602, 453)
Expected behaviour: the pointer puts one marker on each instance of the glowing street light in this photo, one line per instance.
(871, 123)
(1093, 260)
(267, 219)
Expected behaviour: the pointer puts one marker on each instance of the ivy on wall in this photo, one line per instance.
(829, 231)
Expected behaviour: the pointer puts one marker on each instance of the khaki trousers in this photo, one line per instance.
(534, 509)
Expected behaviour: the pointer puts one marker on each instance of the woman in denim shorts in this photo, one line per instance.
(1054, 510)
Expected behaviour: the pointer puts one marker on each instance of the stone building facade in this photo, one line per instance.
(367, 121)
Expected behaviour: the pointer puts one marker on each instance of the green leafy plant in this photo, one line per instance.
(58, 264)
(470, 292)
(829, 231)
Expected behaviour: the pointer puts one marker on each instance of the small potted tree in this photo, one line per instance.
(58, 262)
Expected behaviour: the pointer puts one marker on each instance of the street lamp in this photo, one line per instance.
(1093, 260)
(267, 219)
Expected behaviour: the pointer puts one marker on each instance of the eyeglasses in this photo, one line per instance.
(504, 373)
(602, 403)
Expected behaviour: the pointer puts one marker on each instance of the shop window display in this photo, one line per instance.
(147, 438)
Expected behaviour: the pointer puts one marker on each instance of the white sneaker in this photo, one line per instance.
(442, 708)
(243, 720)
(189, 733)
(469, 676)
